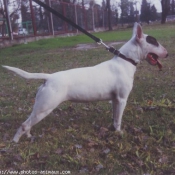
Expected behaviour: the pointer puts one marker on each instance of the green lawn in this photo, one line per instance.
(75, 137)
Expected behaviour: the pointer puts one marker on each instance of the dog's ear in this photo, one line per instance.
(137, 31)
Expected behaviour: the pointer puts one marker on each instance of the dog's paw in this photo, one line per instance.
(15, 139)
(111, 128)
(120, 132)
(29, 135)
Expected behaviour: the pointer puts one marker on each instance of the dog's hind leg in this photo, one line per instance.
(46, 101)
(27, 125)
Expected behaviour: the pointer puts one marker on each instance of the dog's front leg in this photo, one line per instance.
(118, 108)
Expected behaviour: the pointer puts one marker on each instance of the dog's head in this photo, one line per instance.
(151, 49)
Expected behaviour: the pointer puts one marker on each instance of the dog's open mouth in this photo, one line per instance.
(153, 60)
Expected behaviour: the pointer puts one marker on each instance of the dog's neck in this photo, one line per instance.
(132, 50)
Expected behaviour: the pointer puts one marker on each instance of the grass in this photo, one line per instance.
(75, 137)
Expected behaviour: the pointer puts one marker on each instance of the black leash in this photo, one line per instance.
(98, 40)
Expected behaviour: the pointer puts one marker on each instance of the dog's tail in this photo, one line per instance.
(28, 75)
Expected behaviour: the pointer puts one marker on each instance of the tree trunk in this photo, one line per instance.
(165, 10)
(108, 7)
(172, 6)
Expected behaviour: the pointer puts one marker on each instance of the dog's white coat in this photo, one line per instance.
(110, 80)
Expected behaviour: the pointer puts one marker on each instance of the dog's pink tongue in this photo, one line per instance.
(152, 61)
(159, 64)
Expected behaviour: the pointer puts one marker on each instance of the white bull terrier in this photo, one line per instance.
(110, 80)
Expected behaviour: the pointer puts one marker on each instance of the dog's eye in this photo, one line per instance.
(152, 40)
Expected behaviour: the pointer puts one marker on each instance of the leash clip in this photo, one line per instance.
(101, 42)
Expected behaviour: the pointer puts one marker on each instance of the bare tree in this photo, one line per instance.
(13, 12)
(2, 16)
(14, 15)
(172, 6)
(108, 8)
(165, 10)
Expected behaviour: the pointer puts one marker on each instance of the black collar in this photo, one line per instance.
(116, 52)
